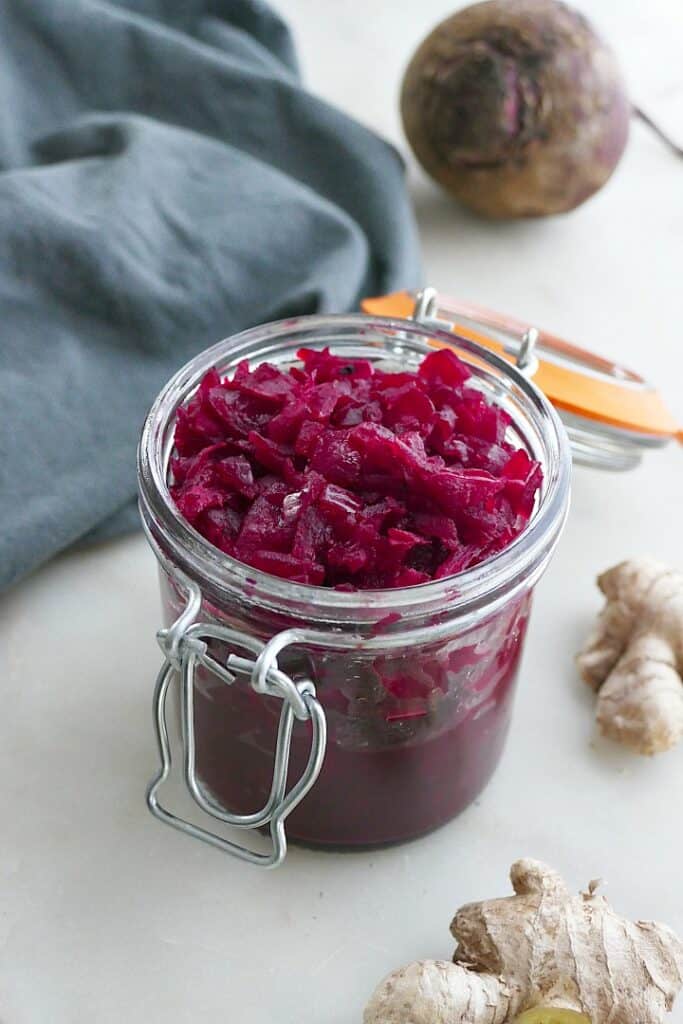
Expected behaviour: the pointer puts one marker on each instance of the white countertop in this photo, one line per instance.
(107, 916)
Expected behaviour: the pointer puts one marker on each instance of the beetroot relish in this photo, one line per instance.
(337, 473)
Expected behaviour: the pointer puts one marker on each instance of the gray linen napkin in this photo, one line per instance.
(165, 181)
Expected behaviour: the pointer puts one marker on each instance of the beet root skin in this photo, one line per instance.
(516, 107)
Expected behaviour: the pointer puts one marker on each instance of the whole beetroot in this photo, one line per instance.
(516, 107)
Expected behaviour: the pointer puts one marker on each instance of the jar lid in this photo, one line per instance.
(611, 413)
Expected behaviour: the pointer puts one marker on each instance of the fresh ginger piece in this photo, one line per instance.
(551, 1015)
(634, 657)
(541, 956)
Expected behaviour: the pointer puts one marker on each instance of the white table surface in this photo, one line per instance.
(107, 916)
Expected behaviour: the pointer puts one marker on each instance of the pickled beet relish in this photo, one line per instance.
(338, 473)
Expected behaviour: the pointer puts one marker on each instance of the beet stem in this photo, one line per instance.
(659, 132)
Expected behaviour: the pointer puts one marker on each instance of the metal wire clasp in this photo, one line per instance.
(426, 308)
(184, 645)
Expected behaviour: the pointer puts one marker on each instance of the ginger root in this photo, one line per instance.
(634, 657)
(541, 956)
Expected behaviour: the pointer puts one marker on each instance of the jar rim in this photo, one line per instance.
(178, 545)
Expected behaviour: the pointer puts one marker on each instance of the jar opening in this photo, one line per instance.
(536, 427)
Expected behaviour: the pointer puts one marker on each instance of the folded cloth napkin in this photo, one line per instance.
(165, 181)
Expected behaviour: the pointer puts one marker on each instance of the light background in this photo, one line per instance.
(106, 916)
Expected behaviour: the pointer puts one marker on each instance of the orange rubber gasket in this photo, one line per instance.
(640, 409)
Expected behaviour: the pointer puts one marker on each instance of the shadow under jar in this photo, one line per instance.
(416, 684)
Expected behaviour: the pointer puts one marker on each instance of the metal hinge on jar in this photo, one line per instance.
(611, 414)
(185, 647)
(425, 312)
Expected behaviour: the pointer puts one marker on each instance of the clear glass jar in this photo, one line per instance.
(416, 684)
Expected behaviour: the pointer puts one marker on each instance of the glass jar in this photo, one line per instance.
(414, 687)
